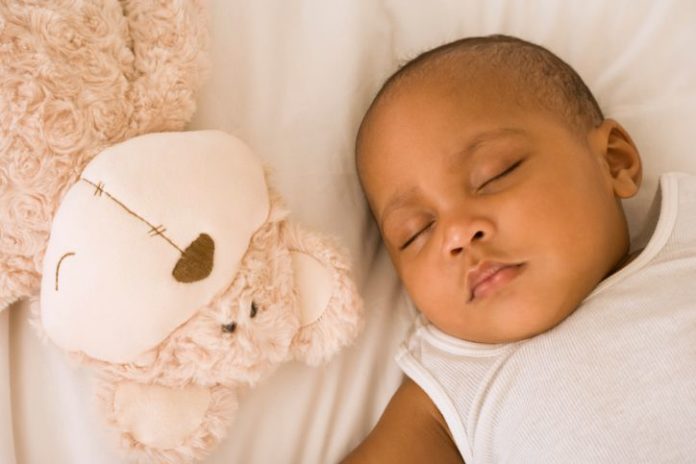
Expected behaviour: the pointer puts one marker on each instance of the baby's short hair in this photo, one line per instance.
(540, 76)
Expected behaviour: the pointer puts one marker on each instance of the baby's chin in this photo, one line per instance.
(510, 325)
(506, 335)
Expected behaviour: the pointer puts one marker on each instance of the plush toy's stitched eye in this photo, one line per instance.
(254, 310)
(229, 328)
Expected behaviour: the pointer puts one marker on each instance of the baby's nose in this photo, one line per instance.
(459, 245)
(463, 233)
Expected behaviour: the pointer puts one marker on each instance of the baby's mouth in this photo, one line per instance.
(488, 277)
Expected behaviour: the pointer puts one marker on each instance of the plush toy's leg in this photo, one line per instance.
(331, 308)
(170, 43)
(167, 425)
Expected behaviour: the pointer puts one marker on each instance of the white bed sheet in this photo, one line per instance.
(293, 78)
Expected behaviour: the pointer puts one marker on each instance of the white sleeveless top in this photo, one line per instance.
(613, 383)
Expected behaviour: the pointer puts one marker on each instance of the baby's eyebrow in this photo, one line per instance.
(484, 137)
(396, 201)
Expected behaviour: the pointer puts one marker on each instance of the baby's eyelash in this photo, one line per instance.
(507, 171)
(414, 237)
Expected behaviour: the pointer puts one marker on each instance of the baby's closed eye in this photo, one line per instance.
(412, 235)
(499, 173)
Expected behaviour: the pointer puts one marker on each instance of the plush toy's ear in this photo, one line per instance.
(330, 308)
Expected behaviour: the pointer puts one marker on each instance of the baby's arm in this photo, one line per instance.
(411, 430)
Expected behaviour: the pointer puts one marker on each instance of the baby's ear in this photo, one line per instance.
(621, 156)
(331, 311)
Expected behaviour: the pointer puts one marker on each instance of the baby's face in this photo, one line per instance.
(499, 219)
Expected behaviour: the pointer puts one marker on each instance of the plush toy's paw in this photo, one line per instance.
(330, 308)
(158, 416)
(168, 425)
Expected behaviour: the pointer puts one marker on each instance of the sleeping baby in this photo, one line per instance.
(544, 335)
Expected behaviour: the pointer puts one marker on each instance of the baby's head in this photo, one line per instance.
(496, 184)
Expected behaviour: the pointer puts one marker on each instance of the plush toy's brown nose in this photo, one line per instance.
(196, 262)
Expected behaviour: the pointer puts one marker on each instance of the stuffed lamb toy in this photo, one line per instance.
(164, 260)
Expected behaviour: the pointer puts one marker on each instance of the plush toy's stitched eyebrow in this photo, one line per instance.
(70, 253)
(154, 230)
(196, 262)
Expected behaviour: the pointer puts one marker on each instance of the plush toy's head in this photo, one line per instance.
(152, 231)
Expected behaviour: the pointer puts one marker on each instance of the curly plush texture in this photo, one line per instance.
(77, 76)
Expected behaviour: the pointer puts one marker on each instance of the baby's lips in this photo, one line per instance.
(488, 276)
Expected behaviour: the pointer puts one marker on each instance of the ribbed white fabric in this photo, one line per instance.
(613, 383)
